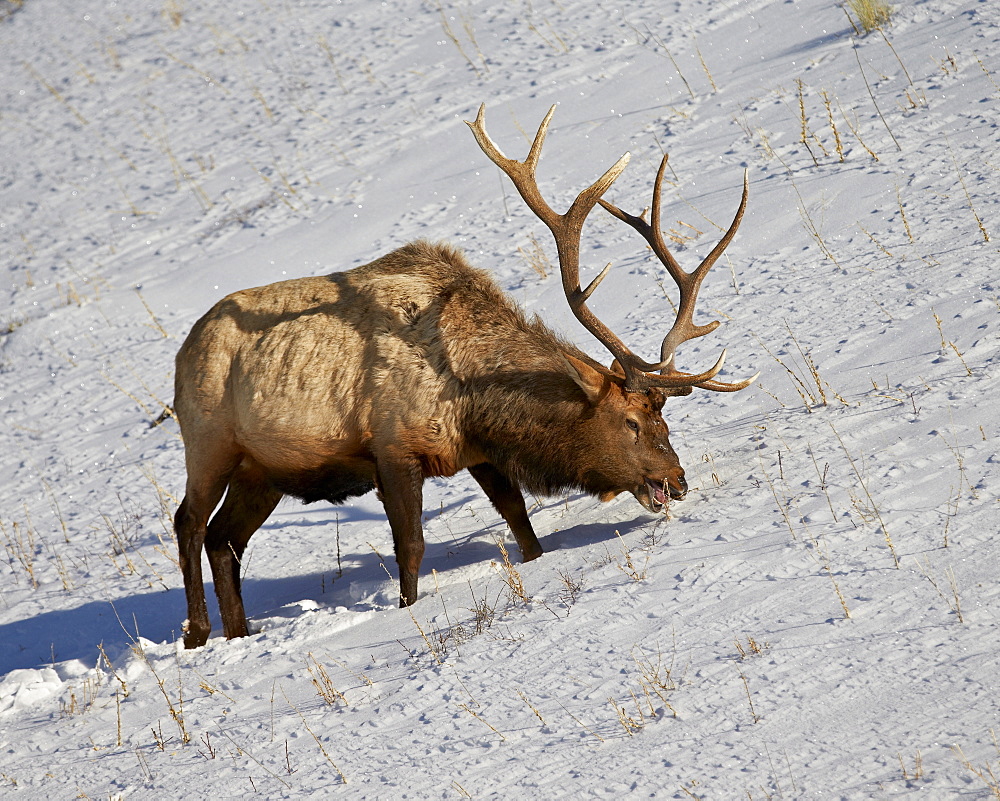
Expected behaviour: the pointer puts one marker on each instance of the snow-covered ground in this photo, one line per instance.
(817, 619)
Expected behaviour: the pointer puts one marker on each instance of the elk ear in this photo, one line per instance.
(594, 383)
(617, 369)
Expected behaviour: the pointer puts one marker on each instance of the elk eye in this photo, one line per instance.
(633, 425)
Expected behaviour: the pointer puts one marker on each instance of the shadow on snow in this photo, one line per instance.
(68, 634)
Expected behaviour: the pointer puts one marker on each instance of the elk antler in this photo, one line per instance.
(689, 283)
(566, 229)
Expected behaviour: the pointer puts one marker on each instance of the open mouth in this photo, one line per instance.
(657, 497)
(661, 493)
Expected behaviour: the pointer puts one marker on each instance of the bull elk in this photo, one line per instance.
(417, 365)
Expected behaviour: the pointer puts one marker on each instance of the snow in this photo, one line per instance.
(159, 155)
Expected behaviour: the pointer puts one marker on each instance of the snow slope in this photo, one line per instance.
(817, 619)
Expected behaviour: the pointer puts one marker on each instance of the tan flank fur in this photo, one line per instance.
(412, 366)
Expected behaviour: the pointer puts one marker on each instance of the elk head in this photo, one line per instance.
(627, 399)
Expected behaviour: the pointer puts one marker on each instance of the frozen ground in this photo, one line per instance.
(817, 619)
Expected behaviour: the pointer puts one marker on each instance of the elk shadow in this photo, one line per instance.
(364, 582)
(66, 634)
(586, 535)
(365, 585)
(74, 634)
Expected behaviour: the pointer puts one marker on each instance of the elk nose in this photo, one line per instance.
(678, 486)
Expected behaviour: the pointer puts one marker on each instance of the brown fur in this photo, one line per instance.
(412, 366)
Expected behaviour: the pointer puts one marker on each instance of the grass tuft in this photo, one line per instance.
(987, 773)
(535, 257)
(871, 14)
(323, 683)
(510, 576)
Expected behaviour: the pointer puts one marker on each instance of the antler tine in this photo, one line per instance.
(566, 229)
(651, 231)
(692, 281)
(688, 330)
(722, 386)
(684, 327)
(521, 173)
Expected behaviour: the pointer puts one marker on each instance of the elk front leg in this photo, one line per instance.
(400, 486)
(509, 502)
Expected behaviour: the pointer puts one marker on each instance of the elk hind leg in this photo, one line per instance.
(249, 501)
(509, 502)
(208, 475)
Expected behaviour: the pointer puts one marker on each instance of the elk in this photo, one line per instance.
(418, 365)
